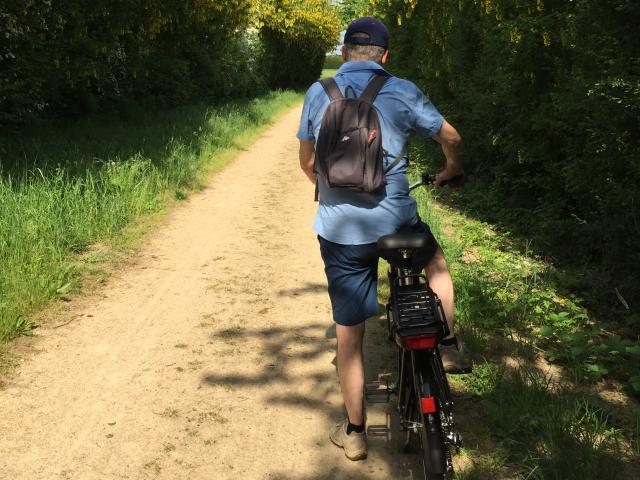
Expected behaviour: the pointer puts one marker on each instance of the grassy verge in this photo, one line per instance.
(327, 72)
(66, 187)
(333, 62)
(522, 416)
(331, 66)
(540, 424)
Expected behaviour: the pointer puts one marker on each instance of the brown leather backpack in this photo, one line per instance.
(349, 152)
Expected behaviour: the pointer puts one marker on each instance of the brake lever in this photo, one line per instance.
(427, 179)
(454, 183)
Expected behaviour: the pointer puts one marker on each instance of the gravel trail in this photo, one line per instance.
(211, 355)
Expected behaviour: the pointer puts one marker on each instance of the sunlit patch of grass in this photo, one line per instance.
(510, 299)
(520, 422)
(66, 187)
(542, 429)
(328, 72)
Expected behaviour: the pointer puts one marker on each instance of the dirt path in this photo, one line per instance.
(210, 357)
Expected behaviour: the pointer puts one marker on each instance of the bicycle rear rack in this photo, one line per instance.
(416, 310)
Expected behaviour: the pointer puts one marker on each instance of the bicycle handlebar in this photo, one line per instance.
(427, 179)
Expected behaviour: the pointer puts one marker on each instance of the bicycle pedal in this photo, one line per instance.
(455, 439)
(377, 392)
(378, 431)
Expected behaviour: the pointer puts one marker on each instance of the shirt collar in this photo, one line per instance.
(359, 65)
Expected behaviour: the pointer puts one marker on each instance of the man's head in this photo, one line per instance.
(366, 39)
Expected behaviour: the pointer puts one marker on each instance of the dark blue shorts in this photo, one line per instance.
(352, 274)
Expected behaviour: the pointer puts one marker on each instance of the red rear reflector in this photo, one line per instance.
(419, 342)
(428, 404)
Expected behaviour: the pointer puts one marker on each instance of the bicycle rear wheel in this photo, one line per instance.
(427, 410)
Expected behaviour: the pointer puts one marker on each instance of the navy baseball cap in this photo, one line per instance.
(375, 33)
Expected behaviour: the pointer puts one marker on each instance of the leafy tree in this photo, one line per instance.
(546, 94)
(296, 35)
(349, 10)
(79, 55)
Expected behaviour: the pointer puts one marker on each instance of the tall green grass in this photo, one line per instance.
(538, 428)
(543, 432)
(67, 186)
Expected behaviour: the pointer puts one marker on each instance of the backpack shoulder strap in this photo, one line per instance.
(397, 160)
(371, 92)
(331, 87)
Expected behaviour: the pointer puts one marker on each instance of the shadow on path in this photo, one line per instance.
(284, 352)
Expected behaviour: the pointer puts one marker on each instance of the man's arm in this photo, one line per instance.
(451, 142)
(307, 157)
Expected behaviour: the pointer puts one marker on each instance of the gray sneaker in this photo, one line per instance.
(354, 444)
(455, 359)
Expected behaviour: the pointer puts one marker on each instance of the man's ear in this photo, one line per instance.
(344, 53)
(385, 57)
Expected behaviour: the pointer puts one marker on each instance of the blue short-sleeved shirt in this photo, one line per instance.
(356, 218)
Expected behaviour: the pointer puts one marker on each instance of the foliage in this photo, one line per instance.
(352, 9)
(546, 94)
(506, 290)
(82, 56)
(296, 35)
(512, 308)
(333, 62)
(67, 187)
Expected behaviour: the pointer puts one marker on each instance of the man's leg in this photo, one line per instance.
(351, 274)
(440, 281)
(350, 434)
(351, 369)
(454, 358)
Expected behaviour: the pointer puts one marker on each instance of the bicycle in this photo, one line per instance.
(416, 323)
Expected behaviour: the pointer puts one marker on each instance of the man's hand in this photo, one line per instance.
(451, 143)
(448, 174)
(307, 157)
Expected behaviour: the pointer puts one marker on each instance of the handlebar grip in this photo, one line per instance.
(427, 179)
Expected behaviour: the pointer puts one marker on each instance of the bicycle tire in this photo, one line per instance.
(432, 447)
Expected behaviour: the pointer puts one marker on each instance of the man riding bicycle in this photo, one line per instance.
(349, 223)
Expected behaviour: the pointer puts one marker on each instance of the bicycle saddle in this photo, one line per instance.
(412, 241)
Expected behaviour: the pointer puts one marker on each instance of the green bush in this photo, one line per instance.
(78, 56)
(333, 62)
(290, 63)
(546, 95)
(295, 38)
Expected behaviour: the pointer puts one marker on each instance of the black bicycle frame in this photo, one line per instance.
(428, 361)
